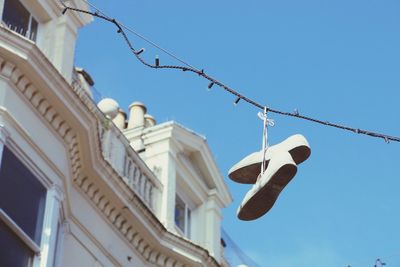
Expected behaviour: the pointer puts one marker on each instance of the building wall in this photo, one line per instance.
(87, 238)
(104, 206)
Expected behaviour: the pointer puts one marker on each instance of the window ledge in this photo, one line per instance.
(180, 232)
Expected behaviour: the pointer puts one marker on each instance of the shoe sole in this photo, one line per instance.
(246, 171)
(264, 198)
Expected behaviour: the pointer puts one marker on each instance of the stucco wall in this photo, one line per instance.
(87, 238)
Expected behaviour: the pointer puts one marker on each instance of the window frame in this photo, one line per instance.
(13, 226)
(44, 252)
(28, 34)
(187, 218)
(59, 240)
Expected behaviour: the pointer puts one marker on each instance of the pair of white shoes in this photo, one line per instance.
(281, 162)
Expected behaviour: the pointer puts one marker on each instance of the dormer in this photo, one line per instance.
(194, 192)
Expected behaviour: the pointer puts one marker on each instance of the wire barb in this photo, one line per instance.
(189, 68)
(140, 51)
(236, 101)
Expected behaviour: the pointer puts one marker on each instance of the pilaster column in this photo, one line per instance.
(213, 222)
(50, 225)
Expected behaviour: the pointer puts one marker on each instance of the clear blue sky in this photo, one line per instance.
(335, 60)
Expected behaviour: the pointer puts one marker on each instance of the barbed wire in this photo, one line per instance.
(212, 81)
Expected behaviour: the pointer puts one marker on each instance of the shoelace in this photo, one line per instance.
(266, 122)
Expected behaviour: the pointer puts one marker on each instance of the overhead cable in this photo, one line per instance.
(189, 68)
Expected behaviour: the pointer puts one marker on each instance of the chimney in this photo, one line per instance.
(149, 120)
(137, 110)
(120, 119)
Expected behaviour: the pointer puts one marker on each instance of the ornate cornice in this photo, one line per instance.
(117, 216)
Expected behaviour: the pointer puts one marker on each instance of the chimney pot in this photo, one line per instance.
(120, 119)
(149, 120)
(137, 110)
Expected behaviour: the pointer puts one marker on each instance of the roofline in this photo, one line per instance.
(205, 152)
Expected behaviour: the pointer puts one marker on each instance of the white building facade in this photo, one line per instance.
(78, 188)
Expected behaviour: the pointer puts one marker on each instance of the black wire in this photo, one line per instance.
(214, 81)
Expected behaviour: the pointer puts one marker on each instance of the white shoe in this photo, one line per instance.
(262, 196)
(247, 170)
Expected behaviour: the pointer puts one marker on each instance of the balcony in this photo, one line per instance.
(18, 19)
(118, 152)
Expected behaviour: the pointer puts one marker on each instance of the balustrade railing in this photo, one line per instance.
(118, 152)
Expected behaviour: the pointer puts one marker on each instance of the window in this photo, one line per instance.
(18, 19)
(58, 242)
(22, 203)
(16, 252)
(182, 216)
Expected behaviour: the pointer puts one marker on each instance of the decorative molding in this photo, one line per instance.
(132, 173)
(4, 134)
(57, 192)
(66, 226)
(38, 101)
